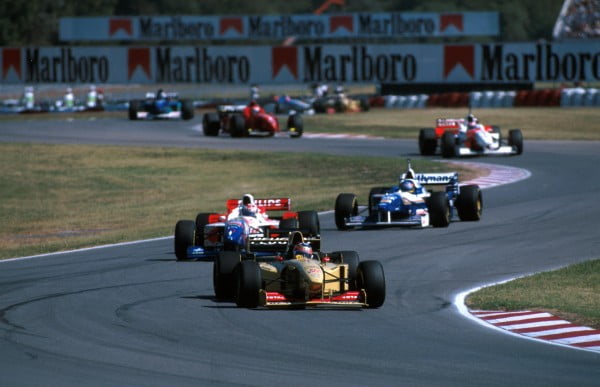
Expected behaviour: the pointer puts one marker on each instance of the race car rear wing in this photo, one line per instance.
(230, 108)
(271, 204)
(437, 178)
(279, 244)
(449, 122)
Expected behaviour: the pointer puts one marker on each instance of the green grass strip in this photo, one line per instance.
(572, 292)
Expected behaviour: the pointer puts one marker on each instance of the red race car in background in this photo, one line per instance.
(249, 120)
(459, 137)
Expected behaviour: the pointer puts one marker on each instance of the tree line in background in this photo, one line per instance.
(35, 22)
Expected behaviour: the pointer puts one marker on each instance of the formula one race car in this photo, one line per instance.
(245, 227)
(296, 276)
(340, 103)
(161, 106)
(249, 120)
(459, 137)
(411, 204)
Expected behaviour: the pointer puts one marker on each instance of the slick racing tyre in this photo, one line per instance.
(295, 125)
(365, 106)
(211, 124)
(427, 141)
(448, 145)
(289, 224)
(515, 139)
(201, 221)
(185, 231)
(238, 126)
(439, 211)
(469, 203)
(308, 222)
(249, 284)
(134, 106)
(187, 109)
(373, 201)
(224, 281)
(345, 206)
(371, 278)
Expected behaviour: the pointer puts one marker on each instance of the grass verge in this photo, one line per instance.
(535, 123)
(572, 293)
(58, 197)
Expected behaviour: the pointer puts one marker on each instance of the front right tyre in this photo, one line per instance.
(371, 278)
(346, 205)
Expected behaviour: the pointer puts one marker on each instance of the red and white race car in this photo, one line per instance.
(459, 137)
(245, 227)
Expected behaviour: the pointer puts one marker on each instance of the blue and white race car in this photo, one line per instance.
(411, 204)
(161, 106)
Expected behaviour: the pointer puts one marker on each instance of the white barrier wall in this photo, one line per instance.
(413, 63)
(309, 26)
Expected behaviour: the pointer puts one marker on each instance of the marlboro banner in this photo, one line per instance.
(352, 63)
(272, 27)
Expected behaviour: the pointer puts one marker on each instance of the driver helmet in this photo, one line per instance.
(248, 205)
(471, 120)
(407, 186)
(161, 94)
(302, 250)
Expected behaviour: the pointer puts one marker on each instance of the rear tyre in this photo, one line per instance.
(448, 145)
(211, 124)
(365, 106)
(224, 283)
(308, 222)
(371, 278)
(134, 107)
(427, 141)
(289, 224)
(249, 284)
(201, 221)
(469, 203)
(185, 231)
(187, 109)
(439, 211)
(515, 139)
(238, 126)
(295, 125)
(346, 205)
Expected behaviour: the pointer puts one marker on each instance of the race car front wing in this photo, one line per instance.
(349, 299)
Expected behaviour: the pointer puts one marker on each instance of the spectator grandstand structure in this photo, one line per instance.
(578, 19)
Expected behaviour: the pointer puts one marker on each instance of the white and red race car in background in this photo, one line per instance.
(456, 138)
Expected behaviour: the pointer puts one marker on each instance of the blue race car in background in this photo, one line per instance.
(161, 106)
(411, 204)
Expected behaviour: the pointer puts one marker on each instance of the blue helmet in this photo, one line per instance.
(407, 186)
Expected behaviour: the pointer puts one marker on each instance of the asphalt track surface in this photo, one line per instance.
(130, 315)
